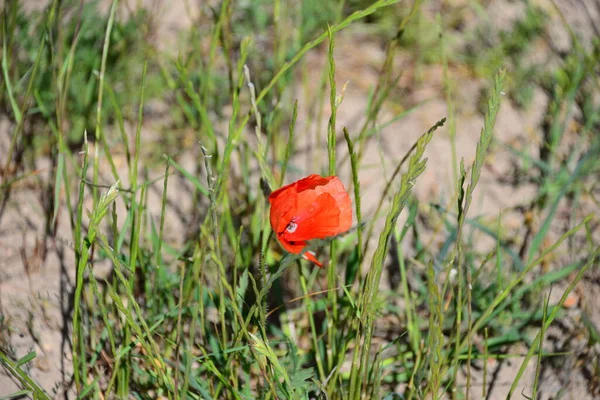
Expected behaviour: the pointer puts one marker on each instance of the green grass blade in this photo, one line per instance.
(199, 186)
(548, 321)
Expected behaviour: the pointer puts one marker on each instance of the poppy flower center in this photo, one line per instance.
(291, 228)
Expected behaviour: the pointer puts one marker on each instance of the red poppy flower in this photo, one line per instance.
(311, 208)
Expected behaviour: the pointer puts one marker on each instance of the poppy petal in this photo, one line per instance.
(336, 189)
(283, 207)
(312, 182)
(345, 220)
(311, 257)
(319, 220)
(293, 247)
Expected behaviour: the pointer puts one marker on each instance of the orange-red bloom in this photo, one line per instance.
(311, 208)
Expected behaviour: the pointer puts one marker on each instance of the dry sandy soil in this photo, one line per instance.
(36, 270)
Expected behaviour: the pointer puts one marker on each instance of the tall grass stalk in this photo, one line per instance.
(332, 309)
(465, 199)
(101, 77)
(368, 296)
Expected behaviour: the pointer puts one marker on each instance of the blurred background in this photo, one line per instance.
(77, 76)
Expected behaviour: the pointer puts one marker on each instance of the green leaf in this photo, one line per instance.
(25, 359)
(15, 395)
(201, 188)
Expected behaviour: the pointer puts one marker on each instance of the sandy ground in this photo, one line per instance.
(36, 269)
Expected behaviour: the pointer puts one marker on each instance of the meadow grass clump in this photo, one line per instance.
(199, 300)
